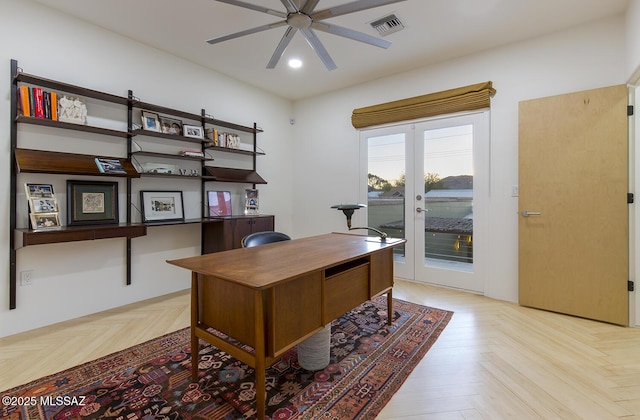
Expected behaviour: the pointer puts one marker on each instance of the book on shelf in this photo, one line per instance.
(24, 107)
(38, 103)
(38, 106)
(54, 106)
(110, 166)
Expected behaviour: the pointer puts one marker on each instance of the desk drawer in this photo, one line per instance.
(344, 290)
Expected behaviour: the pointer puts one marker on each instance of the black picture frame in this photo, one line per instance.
(92, 203)
(161, 206)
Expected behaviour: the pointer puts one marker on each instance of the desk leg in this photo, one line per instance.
(195, 345)
(389, 306)
(260, 355)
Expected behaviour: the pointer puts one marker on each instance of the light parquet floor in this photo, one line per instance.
(495, 360)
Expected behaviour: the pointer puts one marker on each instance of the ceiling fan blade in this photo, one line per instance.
(309, 6)
(351, 34)
(290, 6)
(354, 6)
(247, 32)
(317, 46)
(282, 45)
(255, 7)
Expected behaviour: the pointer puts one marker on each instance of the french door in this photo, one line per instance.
(427, 182)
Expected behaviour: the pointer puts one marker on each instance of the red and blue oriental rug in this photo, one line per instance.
(369, 362)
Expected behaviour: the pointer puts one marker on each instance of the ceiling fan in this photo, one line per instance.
(301, 15)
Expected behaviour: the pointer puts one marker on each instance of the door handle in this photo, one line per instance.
(420, 210)
(527, 213)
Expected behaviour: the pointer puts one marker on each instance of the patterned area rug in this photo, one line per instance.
(369, 362)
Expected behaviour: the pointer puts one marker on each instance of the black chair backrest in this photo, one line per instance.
(261, 238)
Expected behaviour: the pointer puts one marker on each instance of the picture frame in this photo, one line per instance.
(193, 131)
(151, 121)
(161, 206)
(170, 126)
(219, 203)
(43, 205)
(251, 203)
(42, 221)
(39, 191)
(92, 202)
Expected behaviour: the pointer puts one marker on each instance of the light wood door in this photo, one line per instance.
(573, 158)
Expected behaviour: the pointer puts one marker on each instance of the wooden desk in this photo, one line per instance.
(273, 296)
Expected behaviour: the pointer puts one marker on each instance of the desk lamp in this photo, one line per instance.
(348, 210)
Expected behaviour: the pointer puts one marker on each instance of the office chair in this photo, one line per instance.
(261, 238)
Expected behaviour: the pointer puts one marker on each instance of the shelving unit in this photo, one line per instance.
(65, 163)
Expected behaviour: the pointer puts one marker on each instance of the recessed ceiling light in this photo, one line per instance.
(295, 63)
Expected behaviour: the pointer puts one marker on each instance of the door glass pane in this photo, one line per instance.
(386, 182)
(448, 192)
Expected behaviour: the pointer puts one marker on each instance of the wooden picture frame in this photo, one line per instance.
(151, 121)
(42, 221)
(92, 203)
(219, 203)
(161, 206)
(193, 131)
(251, 203)
(39, 190)
(170, 126)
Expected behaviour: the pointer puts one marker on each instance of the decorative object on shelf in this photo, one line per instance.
(348, 210)
(193, 131)
(43, 206)
(151, 121)
(192, 153)
(219, 203)
(251, 205)
(160, 168)
(110, 166)
(41, 221)
(162, 206)
(72, 110)
(92, 203)
(171, 125)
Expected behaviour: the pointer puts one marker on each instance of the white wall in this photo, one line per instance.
(74, 279)
(326, 149)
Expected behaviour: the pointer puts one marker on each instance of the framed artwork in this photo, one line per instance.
(251, 201)
(44, 221)
(92, 202)
(151, 121)
(162, 206)
(39, 190)
(170, 125)
(193, 131)
(219, 203)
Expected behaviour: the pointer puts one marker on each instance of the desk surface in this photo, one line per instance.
(282, 261)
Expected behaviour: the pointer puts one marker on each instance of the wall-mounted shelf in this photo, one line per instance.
(70, 126)
(28, 237)
(234, 175)
(169, 156)
(238, 151)
(46, 162)
(173, 137)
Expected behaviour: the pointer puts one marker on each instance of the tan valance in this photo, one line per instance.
(467, 98)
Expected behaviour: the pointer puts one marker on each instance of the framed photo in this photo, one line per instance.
(43, 205)
(161, 206)
(151, 121)
(170, 125)
(92, 202)
(44, 221)
(194, 131)
(251, 201)
(39, 190)
(219, 203)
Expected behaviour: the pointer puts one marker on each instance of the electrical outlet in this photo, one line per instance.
(26, 278)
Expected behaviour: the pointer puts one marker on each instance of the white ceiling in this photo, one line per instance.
(436, 30)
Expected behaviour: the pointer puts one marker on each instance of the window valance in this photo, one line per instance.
(467, 98)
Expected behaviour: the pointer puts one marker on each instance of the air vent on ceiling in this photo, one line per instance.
(388, 25)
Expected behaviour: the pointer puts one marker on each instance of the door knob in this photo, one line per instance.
(420, 210)
(527, 213)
